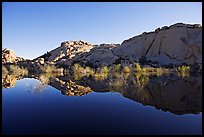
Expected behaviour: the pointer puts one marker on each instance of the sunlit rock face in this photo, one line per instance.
(177, 44)
(66, 51)
(99, 56)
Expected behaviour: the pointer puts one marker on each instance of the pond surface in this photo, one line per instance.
(61, 105)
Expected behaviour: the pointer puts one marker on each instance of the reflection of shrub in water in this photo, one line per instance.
(17, 70)
(118, 80)
(51, 68)
(102, 74)
(79, 71)
(140, 79)
(183, 71)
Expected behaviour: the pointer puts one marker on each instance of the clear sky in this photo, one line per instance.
(32, 28)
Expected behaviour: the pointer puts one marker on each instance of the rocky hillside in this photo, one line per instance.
(66, 51)
(177, 44)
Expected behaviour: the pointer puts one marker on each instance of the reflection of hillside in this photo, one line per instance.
(8, 81)
(180, 96)
(69, 87)
(168, 93)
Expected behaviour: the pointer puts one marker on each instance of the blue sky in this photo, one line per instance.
(31, 28)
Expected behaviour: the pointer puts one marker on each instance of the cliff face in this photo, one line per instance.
(174, 45)
(177, 44)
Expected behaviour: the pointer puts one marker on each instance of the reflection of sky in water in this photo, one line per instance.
(105, 113)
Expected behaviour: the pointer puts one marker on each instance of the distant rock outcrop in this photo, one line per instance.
(98, 56)
(66, 51)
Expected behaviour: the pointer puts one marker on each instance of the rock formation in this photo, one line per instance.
(66, 51)
(177, 44)
(98, 56)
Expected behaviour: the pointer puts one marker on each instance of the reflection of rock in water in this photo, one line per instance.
(168, 93)
(174, 94)
(8, 81)
(69, 87)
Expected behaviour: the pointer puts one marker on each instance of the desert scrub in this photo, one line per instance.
(138, 67)
(140, 80)
(126, 69)
(116, 68)
(105, 70)
(183, 68)
(89, 71)
(78, 71)
(78, 68)
(183, 71)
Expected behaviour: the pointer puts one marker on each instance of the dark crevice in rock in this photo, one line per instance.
(160, 46)
(150, 46)
(168, 55)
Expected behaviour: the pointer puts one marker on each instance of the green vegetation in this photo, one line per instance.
(116, 68)
(118, 76)
(138, 67)
(50, 68)
(126, 69)
(17, 70)
(183, 71)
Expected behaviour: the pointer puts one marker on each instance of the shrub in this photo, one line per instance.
(138, 67)
(183, 71)
(126, 69)
(89, 71)
(116, 67)
(105, 70)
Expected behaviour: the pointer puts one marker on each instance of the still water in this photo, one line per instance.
(60, 105)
